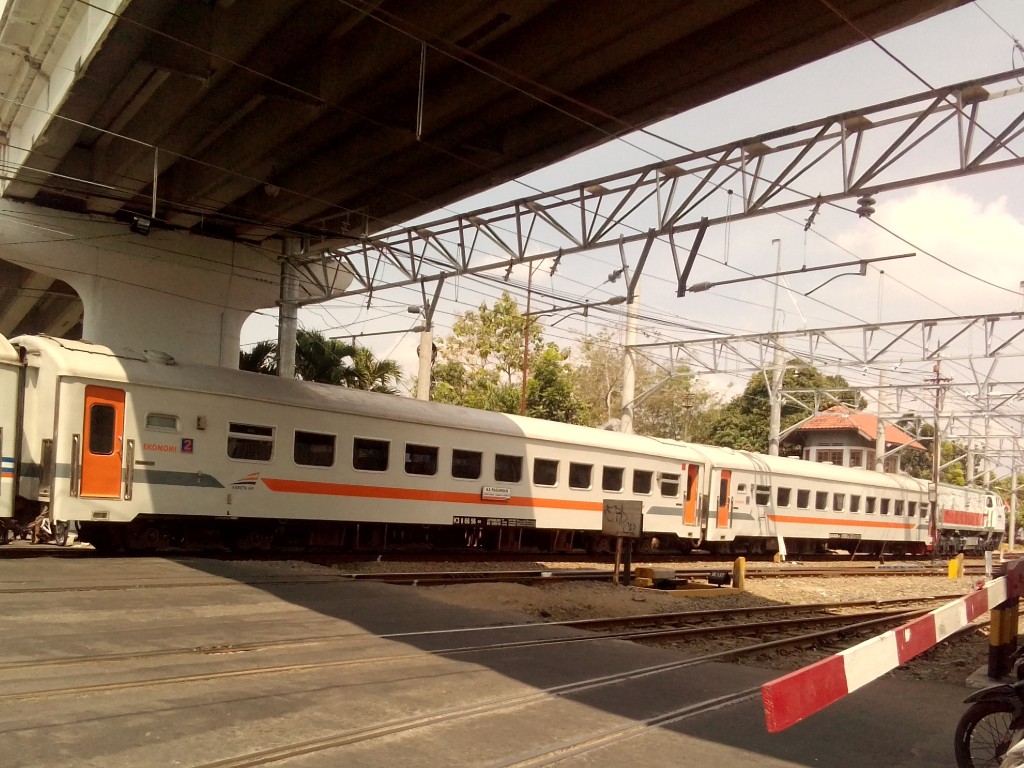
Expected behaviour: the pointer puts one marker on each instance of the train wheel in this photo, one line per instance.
(254, 540)
(601, 545)
(144, 538)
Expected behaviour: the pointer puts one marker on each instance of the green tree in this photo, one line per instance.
(320, 359)
(373, 375)
(670, 405)
(327, 361)
(492, 339)
(597, 379)
(744, 422)
(919, 463)
(549, 392)
(481, 365)
(262, 358)
(482, 389)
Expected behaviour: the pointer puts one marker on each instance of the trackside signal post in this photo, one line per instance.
(623, 520)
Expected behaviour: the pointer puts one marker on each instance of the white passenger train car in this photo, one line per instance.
(141, 452)
(176, 453)
(10, 386)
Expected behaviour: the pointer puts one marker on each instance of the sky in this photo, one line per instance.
(968, 234)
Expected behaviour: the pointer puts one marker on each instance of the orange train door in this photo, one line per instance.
(724, 498)
(690, 510)
(102, 444)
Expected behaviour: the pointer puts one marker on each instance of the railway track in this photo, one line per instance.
(643, 628)
(447, 578)
(436, 722)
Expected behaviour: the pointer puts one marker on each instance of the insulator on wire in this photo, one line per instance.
(865, 206)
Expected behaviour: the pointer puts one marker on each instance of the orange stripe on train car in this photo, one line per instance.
(840, 523)
(415, 494)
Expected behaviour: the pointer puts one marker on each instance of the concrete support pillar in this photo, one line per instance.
(883, 380)
(775, 395)
(1013, 508)
(288, 311)
(629, 364)
(426, 354)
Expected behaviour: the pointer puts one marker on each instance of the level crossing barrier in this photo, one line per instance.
(793, 697)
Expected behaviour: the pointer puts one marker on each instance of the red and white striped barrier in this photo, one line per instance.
(791, 698)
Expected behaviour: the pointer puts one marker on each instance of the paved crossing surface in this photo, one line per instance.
(157, 662)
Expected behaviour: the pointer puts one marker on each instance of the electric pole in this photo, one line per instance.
(940, 383)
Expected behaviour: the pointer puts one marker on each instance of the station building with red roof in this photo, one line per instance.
(847, 438)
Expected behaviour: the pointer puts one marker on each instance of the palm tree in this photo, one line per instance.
(374, 375)
(318, 358)
(262, 358)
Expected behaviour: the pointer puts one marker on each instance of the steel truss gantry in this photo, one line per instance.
(851, 154)
(975, 406)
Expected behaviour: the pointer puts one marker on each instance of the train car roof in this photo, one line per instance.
(780, 466)
(85, 360)
(8, 354)
(93, 361)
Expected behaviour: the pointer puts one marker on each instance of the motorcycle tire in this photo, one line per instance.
(60, 533)
(985, 732)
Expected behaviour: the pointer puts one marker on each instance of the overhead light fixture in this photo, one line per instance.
(140, 225)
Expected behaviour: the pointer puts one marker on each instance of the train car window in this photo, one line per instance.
(821, 500)
(885, 506)
(611, 478)
(871, 503)
(899, 507)
(467, 464)
(803, 499)
(370, 455)
(250, 442)
(912, 509)
(643, 481)
(420, 459)
(855, 503)
(508, 469)
(762, 495)
(989, 502)
(162, 422)
(580, 475)
(669, 483)
(101, 429)
(838, 502)
(925, 507)
(742, 487)
(783, 496)
(313, 449)
(545, 472)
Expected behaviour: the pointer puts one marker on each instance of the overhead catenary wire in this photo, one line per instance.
(837, 308)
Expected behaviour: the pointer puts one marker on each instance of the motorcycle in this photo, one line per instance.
(53, 532)
(990, 729)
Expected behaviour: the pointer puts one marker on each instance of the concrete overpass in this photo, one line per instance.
(156, 153)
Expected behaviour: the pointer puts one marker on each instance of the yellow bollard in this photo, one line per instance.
(739, 573)
(956, 567)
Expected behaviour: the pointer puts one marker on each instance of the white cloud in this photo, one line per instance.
(977, 255)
